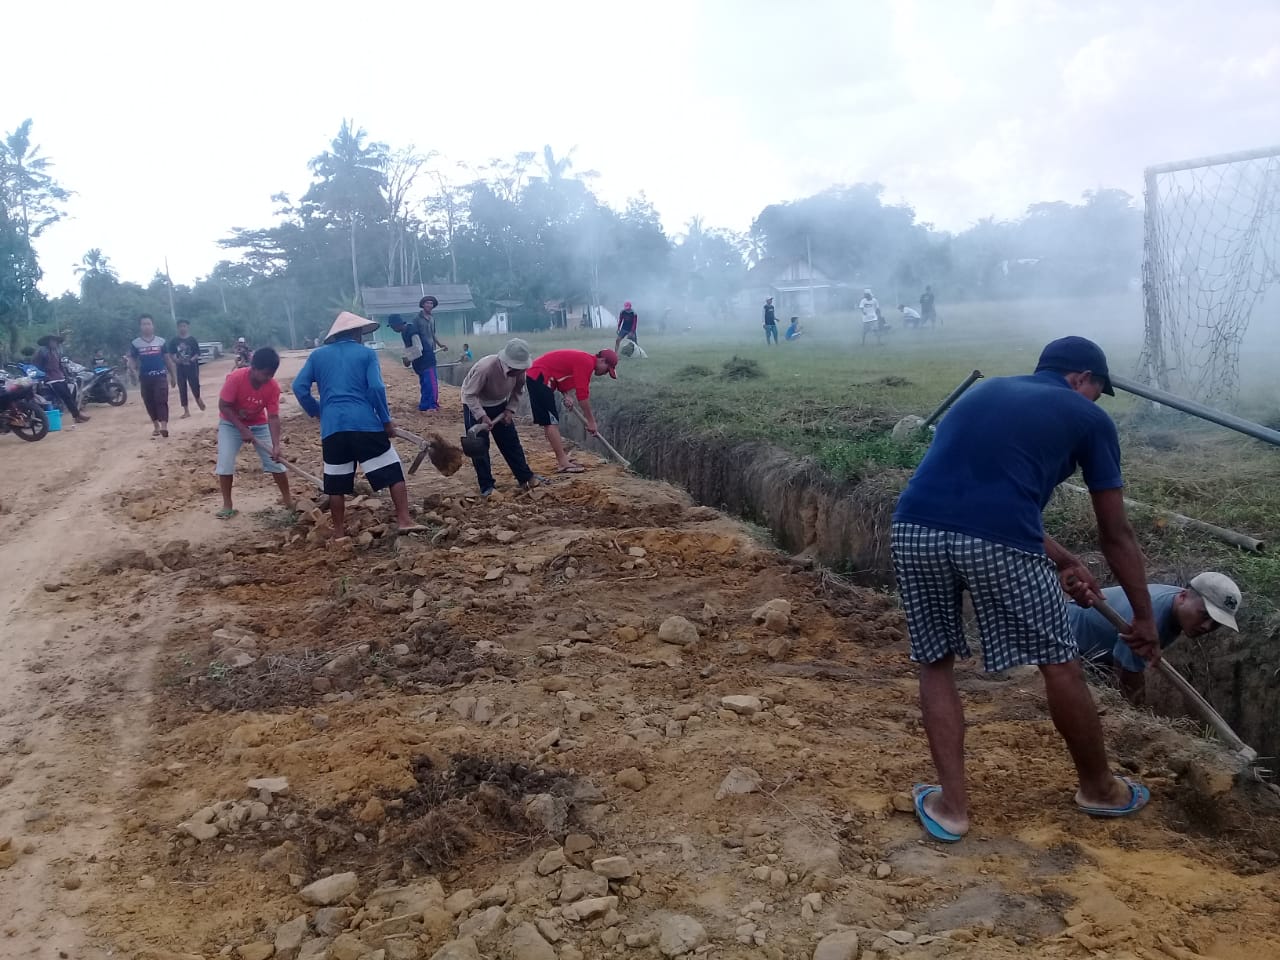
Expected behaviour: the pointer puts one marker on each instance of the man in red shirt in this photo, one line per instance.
(562, 371)
(249, 411)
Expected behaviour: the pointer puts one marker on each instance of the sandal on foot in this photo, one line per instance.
(164, 434)
(416, 528)
(931, 826)
(1139, 796)
(226, 513)
(572, 468)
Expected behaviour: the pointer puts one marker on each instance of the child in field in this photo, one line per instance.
(793, 329)
(466, 356)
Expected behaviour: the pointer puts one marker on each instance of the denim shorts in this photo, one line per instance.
(230, 441)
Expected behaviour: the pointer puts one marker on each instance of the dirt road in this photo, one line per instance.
(503, 737)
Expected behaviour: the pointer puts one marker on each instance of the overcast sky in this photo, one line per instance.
(174, 123)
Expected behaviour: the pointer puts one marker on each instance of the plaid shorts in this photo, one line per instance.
(1019, 603)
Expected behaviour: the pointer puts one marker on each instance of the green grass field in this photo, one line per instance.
(827, 397)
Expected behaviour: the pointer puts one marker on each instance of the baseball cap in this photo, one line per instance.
(611, 358)
(1221, 597)
(1076, 354)
(395, 320)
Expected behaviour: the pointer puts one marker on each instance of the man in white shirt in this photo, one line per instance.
(910, 315)
(490, 394)
(870, 308)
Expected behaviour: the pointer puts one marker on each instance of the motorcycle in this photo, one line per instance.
(243, 357)
(99, 385)
(21, 413)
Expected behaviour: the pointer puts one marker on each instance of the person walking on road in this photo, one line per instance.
(770, 323)
(355, 422)
(420, 345)
(49, 359)
(155, 372)
(490, 395)
(628, 326)
(185, 350)
(1209, 601)
(562, 371)
(970, 520)
(249, 412)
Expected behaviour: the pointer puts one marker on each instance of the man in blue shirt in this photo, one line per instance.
(970, 520)
(1209, 601)
(420, 343)
(355, 421)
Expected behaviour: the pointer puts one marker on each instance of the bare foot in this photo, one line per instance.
(935, 806)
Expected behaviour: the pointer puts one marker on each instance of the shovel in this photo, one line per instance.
(607, 445)
(472, 445)
(1192, 695)
(291, 467)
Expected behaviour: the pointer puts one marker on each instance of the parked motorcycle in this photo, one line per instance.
(21, 412)
(99, 385)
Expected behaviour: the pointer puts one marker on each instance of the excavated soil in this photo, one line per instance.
(491, 707)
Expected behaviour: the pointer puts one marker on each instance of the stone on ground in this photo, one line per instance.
(739, 781)
(842, 945)
(612, 868)
(329, 890)
(289, 936)
(679, 631)
(631, 778)
(678, 933)
(590, 908)
(743, 706)
(463, 948)
(526, 943)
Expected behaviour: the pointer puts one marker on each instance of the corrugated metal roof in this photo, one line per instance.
(383, 301)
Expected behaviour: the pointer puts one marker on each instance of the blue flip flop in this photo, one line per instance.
(931, 826)
(1138, 798)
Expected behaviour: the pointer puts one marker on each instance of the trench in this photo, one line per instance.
(845, 527)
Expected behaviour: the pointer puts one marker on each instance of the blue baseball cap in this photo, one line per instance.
(1075, 355)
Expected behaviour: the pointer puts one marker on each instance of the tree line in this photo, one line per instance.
(529, 229)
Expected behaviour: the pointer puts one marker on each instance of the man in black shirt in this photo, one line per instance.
(185, 350)
(49, 359)
(770, 323)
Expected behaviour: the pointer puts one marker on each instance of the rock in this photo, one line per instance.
(154, 777)
(576, 843)
(544, 743)
(739, 781)
(743, 706)
(906, 429)
(552, 861)
(550, 812)
(901, 937)
(272, 785)
(504, 536)
(460, 901)
(679, 631)
(761, 874)
(813, 901)
(777, 879)
(331, 921)
(627, 634)
(283, 859)
(372, 812)
(463, 948)
(329, 890)
(589, 908)
(499, 895)
(526, 943)
(259, 950)
(401, 649)
(483, 711)
(347, 947)
(314, 949)
(638, 941)
(484, 925)
(464, 707)
(416, 898)
(200, 831)
(778, 648)
(678, 933)
(550, 932)
(612, 868)
(576, 884)
(903, 803)
(883, 871)
(842, 945)
(289, 938)
(631, 778)
(71, 882)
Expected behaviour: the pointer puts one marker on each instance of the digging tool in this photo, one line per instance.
(1192, 695)
(472, 445)
(607, 445)
(291, 467)
(445, 457)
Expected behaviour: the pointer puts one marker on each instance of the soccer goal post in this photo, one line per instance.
(1210, 254)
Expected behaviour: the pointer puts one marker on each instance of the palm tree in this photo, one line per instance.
(557, 168)
(352, 175)
(92, 265)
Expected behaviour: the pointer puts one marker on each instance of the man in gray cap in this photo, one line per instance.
(490, 395)
(1209, 601)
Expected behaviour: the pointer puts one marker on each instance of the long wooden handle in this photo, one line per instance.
(1198, 703)
(607, 445)
(411, 437)
(291, 467)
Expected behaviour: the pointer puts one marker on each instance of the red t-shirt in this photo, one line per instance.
(252, 405)
(566, 370)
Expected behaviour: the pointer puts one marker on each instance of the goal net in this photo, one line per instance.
(1212, 250)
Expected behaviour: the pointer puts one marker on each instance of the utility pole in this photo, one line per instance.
(173, 314)
(808, 251)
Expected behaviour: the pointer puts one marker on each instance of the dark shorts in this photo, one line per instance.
(627, 333)
(372, 451)
(543, 403)
(1017, 599)
(155, 396)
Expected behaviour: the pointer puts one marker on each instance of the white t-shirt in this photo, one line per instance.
(911, 313)
(869, 306)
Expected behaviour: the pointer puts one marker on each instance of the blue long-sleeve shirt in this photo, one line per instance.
(352, 394)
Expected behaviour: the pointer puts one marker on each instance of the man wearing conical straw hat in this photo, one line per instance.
(355, 421)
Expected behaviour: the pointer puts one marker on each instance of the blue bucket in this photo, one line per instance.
(55, 418)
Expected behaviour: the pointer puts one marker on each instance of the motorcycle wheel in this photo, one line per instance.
(37, 423)
(116, 393)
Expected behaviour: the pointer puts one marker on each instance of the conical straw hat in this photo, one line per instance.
(349, 321)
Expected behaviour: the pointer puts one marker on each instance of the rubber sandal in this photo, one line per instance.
(1139, 797)
(572, 468)
(225, 514)
(164, 434)
(931, 826)
(416, 528)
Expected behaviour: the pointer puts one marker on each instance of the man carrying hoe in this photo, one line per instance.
(355, 423)
(249, 412)
(562, 371)
(970, 519)
(490, 395)
(420, 344)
